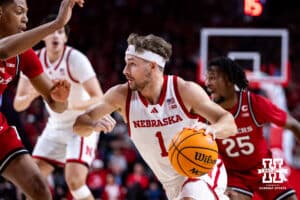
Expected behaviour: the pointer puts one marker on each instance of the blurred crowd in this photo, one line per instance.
(100, 30)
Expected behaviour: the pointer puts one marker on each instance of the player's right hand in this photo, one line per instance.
(105, 124)
(65, 11)
(208, 129)
(60, 90)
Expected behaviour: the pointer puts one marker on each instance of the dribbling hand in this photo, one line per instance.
(105, 124)
(65, 11)
(60, 90)
(208, 129)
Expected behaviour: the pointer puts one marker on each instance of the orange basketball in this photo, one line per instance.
(192, 153)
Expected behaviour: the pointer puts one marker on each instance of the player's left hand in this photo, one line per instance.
(105, 124)
(60, 90)
(65, 11)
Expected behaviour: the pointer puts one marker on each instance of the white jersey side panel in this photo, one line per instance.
(75, 68)
(152, 128)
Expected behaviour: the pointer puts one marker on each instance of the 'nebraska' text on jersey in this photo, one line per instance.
(152, 127)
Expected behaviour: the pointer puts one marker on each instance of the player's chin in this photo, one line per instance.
(132, 86)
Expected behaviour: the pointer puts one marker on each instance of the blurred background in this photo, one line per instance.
(100, 30)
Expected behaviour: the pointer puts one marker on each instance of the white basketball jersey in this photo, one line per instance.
(152, 127)
(74, 67)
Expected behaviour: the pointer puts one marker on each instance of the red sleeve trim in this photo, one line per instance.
(178, 97)
(68, 67)
(128, 109)
(81, 147)
(251, 111)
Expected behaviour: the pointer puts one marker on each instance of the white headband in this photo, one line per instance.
(146, 55)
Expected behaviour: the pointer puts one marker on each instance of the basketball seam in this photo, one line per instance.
(182, 141)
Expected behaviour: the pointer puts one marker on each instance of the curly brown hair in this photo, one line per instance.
(151, 43)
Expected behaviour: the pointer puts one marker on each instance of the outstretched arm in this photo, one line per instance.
(197, 101)
(293, 125)
(55, 94)
(113, 100)
(15, 44)
(25, 94)
(93, 88)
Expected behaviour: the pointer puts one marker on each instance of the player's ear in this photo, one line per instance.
(227, 80)
(66, 38)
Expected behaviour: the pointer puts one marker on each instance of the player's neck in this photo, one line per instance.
(4, 34)
(153, 90)
(230, 101)
(53, 56)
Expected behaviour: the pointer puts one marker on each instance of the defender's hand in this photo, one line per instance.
(60, 90)
(65, 11)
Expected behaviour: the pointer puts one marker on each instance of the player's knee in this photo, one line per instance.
(75, 182)
(39, 188)
(81, 193)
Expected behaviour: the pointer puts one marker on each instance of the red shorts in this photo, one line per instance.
(250, 182)
(10, 144)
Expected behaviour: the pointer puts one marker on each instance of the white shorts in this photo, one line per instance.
(63, 145)
(209, 187)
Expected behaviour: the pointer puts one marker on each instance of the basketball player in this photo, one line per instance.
(243, 153)
(15, 163)
(58, 145)
(156, 107)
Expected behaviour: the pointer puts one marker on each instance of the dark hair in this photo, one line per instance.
(3, 2)
(235, 72)
(52, 17)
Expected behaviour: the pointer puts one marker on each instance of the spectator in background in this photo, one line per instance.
(117, 164)
(154, 192)
(96, 179)
(137, 182)
(113, 190)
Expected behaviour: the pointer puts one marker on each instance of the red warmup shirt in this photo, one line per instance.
(28, 63)
(248, 147)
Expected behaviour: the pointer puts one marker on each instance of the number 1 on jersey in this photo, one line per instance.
(164, 151)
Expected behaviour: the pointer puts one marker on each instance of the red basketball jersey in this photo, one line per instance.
(248, 147)
(27, 62)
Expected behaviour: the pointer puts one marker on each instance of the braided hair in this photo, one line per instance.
(234, 72)
(3, 2)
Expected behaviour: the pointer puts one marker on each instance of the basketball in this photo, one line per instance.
(192, 153)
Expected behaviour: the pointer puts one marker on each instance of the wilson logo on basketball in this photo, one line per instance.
(204, 158)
